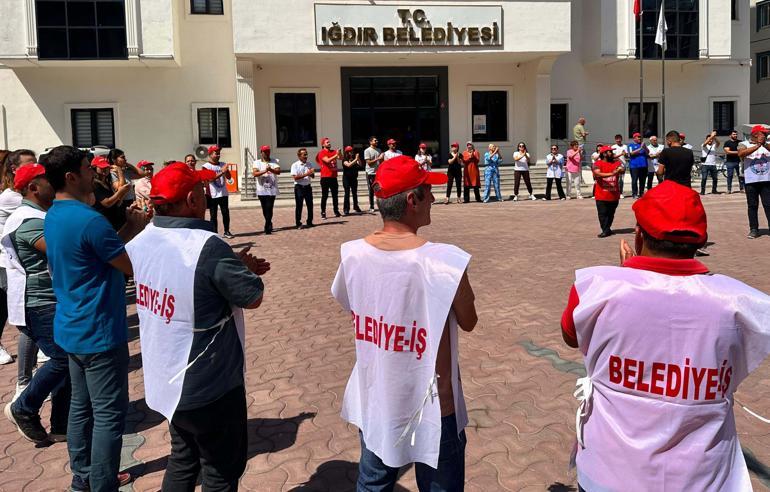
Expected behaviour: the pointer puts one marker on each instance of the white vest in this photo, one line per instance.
(164, 262)
(664, 356)
(17, 277)
(756, 166)
(399, 303)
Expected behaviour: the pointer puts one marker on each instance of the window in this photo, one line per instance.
(763, 14)
(489, 116)
(683, 29)
(559, 121)
(214, 126)
(724, 117)
(295, 119)
(650, 119)
(763, 66)
(210, 7)
(93, 127)
(81, 29)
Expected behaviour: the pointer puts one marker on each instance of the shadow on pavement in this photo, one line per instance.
(561, 487)
(338, 475)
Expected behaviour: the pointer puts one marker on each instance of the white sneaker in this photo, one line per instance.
(19, 390)
(5, 357)
(568, 198)
(621, 197)
(532, 197)
(41, 357)
(580, 197)
(515, 198)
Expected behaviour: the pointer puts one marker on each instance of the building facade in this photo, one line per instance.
(759, 23)
(159, 77)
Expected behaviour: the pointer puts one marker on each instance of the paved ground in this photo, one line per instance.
(518, 375)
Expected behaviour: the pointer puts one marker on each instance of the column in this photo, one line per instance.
(542, 98)
(247, 130)
(29, 6)
(132, 28)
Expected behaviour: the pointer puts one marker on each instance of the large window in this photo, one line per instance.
(214, 126)
(763, 66)
(649, 125)
(683, 29)
(559, 121)
(210, 7)
(763, 14)
(81, 29)
(489, 116)
(724, 117)
(93, 127)
(295, 119)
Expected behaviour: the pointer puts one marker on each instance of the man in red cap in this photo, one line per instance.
(392, 151)
(266, 170)
(190, 292)
(607, 170)
(756, 171)
(32, 305)
(664, 354)
(327, 161)
(405, 323)
(142, 186)
(423, 157)
(218, 194)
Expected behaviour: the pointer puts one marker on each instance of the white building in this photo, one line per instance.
(759, 23)
(158, 77)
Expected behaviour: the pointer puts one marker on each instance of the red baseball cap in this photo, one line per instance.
(27, 173)
(636, 134)
(214, 148)
(391, 141)
(100, 161)
(325, 141)
(265, 148)
(403, 173)
(605, 149)
(423, 146)
(682, 135)
(672, 212)
(175, 181)
(455, 144)
(144, 163)
(349, 149)
(758, 129)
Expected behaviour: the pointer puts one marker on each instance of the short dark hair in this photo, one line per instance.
(673, 136)
(619, 136)
(372, 138)
(59, 161)
(14, 157)
(299, 151)
(190, 155)
(671, 248)
(114, 154)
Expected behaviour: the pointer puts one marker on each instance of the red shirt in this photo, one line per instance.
(666, 266)
(606, 189)
(327, 170)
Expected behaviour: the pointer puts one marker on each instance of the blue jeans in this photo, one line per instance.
(705, 172)
(492, 178)
(732, 169)
(98, 416)
(53, 378)
(375, 476)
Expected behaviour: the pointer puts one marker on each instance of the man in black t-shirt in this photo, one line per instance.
(732, 161)
(675, 162)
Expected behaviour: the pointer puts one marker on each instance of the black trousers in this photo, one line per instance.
(329, 185)
(212, 440)
(650, 175)
(467, 193)
(517, 176)
(549, 185)
(350, 185)
(303, 194)
(755, 191)
(267, 202)
(705, 172)
(455, 173)
(222, 203)
(638, 180)
(606, 211)
(370, 183)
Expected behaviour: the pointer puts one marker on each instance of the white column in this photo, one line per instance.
(29, 7)
(247, 129)
(542, 97)
(132, 29)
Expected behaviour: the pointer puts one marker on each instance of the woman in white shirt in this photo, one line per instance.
(596, 155)
(266, 170)
(423, 157)
(554, 172)
(521, 162)
(709, 162)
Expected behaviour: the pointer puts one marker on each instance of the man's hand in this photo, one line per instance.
(137, 216)
(625, 251)
(258, 266)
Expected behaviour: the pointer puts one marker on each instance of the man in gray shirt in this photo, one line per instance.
(373, 158)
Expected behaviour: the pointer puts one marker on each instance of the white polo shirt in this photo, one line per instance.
(298, 168)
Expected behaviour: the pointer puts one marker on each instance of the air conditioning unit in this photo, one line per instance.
(201, 152)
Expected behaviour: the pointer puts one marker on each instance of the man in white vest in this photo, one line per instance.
(32, 305)
(756, 171)
(190, 292)
(406, 297)
(666, 345)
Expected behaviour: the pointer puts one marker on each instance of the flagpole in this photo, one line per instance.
(663, 68)
(641, 73)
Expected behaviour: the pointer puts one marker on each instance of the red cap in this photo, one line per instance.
(214, 148)
(325, 141)
(349, 149)
(605, 149)
(672, 212)
(403, 173)
(455, 144)
(265, 148)
(25, 174)
(175, 181)
(391, 141)
(636, 134)
(758, 129)
(144, 164)
(423, 146)
(682, 135)
(100, 161)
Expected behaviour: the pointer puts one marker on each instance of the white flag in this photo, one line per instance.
(660, 34)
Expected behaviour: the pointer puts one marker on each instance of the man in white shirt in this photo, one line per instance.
(266, 170)
(218, 195)
(302, 172)
(709, 158)
(755, 153)
(653, 151)
(392, 151)
(685, 145)
(621, 153)
(373, 157)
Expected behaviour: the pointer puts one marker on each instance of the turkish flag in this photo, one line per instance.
(637, 9)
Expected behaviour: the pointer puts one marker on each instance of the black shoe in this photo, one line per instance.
(702, 252)
(337, 214)
(228, 235)
(323, 215)
(753, 234)
(603, 234)
(358, 210)
(309, 225)
(28, 425)
(299, 226)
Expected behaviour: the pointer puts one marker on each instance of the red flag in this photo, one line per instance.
(637, 9)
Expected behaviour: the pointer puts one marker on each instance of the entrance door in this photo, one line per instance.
(404, 104)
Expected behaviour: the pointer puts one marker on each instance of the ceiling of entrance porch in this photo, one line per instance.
(407, 58)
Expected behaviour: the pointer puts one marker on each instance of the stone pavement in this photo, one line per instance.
(518, 375)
